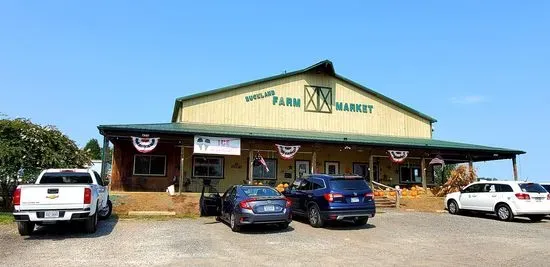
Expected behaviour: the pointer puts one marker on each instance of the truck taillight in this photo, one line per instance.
(523, 196)
(87, 196)
(17, 197)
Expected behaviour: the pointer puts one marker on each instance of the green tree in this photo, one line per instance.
(93, 149)
(27, 148)
(442, 173)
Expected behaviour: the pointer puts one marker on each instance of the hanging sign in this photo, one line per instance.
(287, 152)
(398, 156)
(217, 145)
(145, 144)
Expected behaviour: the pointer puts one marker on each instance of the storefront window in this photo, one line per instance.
(208, 167)
(410, 175)
(153, 165)
(259, 172)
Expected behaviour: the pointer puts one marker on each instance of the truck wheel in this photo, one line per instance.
(105, 213)
(90, 225)
(25, 228)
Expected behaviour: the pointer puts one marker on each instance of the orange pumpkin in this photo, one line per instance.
(392, 193)
(414, 193)
(404, 193)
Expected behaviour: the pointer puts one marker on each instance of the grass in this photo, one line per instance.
(6, 218)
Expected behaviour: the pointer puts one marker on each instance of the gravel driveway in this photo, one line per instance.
(392, 238)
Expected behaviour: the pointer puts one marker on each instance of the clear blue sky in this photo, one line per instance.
(482, 68)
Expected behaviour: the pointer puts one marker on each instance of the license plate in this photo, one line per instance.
(51, 214)
(354, 199)
(539, 199)
(269, 208)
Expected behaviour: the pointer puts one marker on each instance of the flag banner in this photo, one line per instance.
(287, 152)
(259, 160)
(145, 144)
(398, 156)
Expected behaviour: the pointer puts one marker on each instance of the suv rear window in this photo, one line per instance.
(532, 188)
(348, 184)
(66, 178)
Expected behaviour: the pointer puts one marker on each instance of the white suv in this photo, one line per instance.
(505, 199)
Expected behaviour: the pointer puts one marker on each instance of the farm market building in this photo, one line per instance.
(307, 121)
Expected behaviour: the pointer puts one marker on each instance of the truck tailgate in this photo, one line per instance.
(52, 196)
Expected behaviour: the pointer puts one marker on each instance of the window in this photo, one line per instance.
(259, 172)
(489, 188)
(98, 178)
(504, 188)
(66, 178)
(362, 169)
(331, 167)
(532, 188)
(410, 175)
(348, 184)
(208, 167)
(317, 184)
(154, 165)
(318, 99)
(475, 188)
(255, 191)
(305, 185)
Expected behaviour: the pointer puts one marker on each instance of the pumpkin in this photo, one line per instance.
(404, 193)
(376, 193)
(414, 193)
(285, 185)
(392, 193)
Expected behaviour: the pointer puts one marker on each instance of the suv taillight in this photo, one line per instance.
(331, 196)
(369, 195)
(17, 197)
(548, 196)
(523, 196)
(244, 204)
(87, 195)
(288, 203)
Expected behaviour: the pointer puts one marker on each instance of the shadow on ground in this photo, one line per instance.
(255, 228)
(62, 231)
(489, 216)
(335, 225)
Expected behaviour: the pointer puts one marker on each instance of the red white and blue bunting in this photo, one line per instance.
(398, 156)
(287, 152)
(145, 144)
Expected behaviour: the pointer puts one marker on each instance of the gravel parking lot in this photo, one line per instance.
(392, 238)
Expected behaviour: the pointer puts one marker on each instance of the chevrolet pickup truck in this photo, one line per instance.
(62, 195)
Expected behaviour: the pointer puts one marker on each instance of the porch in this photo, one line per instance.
(173, 160)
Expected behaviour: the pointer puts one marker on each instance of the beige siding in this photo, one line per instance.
(231, 108)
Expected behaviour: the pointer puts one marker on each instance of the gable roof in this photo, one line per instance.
(325, 65)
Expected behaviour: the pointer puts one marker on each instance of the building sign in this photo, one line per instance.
(317, 99)
(217, 145)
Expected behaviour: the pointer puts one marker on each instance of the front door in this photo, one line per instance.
(470, 197)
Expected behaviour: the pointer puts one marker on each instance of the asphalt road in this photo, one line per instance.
(392, 238)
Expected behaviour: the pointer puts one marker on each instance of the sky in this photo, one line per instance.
(481, 68)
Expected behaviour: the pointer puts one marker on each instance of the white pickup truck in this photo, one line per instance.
(62, 195)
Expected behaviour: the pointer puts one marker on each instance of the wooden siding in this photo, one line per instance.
(231, 108)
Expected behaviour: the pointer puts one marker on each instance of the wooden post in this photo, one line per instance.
(104, 157)
(250, 166)
(313, 162)
(182, 159)
(371, 171)
(423, 171)
(515, 166)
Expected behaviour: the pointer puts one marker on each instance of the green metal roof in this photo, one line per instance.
(326, 65)
(294, 135)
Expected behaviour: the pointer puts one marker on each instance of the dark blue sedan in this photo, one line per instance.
(323, 198)
(248, 204)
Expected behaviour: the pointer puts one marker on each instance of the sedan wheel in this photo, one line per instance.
(233, 223)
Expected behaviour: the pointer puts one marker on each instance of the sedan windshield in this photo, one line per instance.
(532, 188)
(254, 191)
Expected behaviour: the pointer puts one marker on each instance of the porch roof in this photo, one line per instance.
(308, 136)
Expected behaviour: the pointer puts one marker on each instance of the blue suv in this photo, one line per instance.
(324, 198)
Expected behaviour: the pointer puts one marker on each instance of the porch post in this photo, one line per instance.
(250, 165)
(104, 157)
(313, 162)
(182, 159)
(371, 171)
(515, 166)
(423, 170)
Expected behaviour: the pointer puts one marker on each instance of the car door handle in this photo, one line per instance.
(494, 195)
(310, 196)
